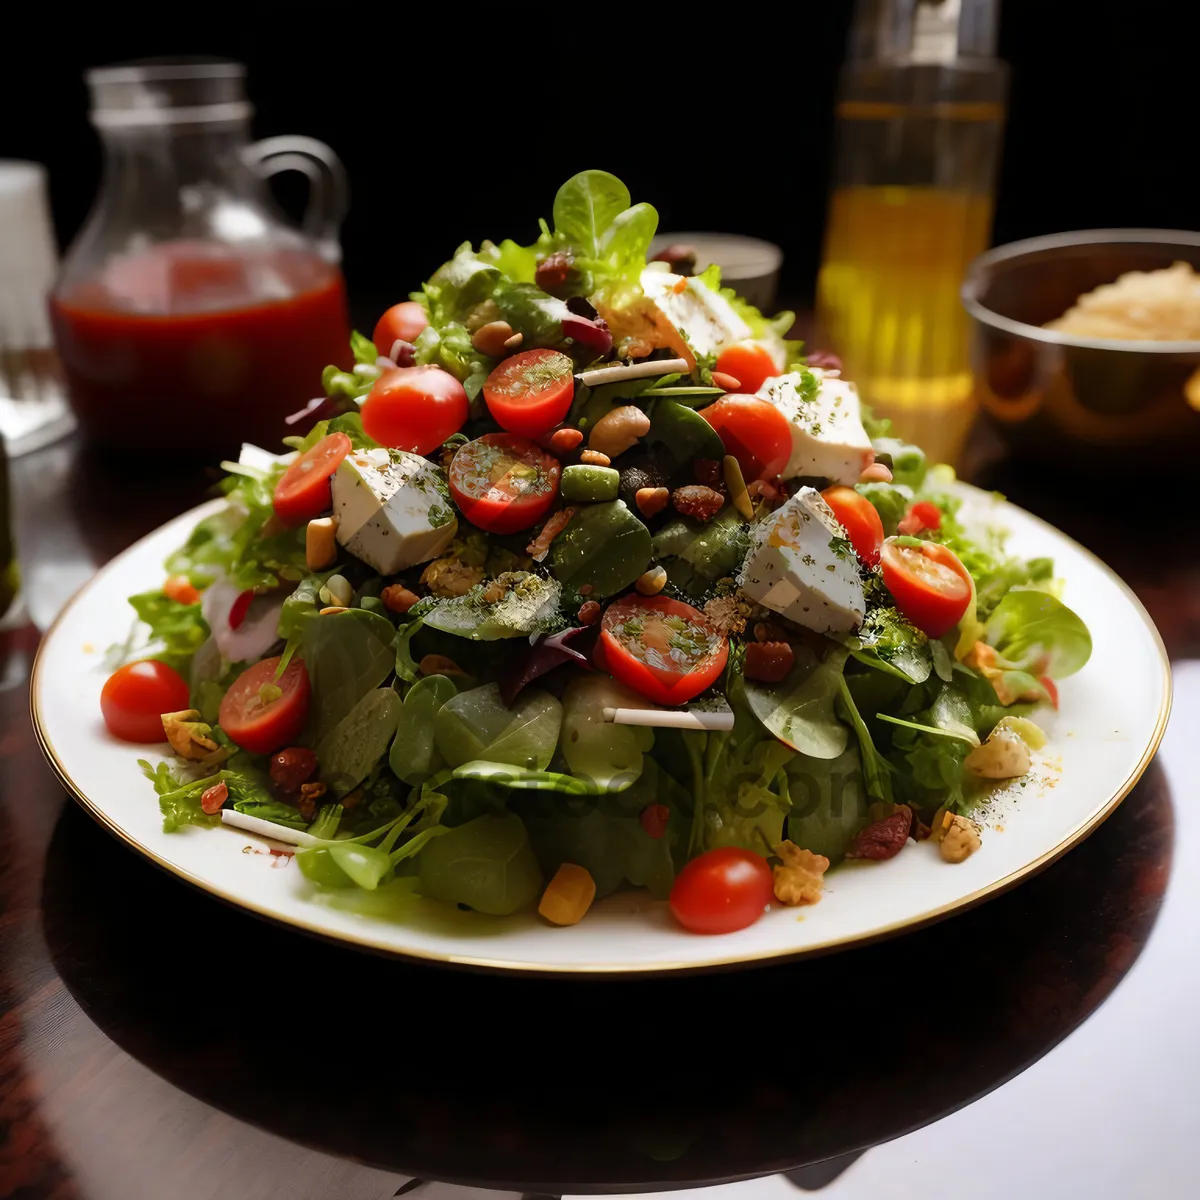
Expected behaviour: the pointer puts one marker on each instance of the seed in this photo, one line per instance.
(563, 441)
(589, 610)
(651, 582)
(331, 610)
(514, 342)
(340, 590)
(721, 380)
(651, 500)
(736, 486)
(490, 339)
(593, 458)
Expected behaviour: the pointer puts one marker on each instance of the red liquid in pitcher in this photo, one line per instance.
(193, 347)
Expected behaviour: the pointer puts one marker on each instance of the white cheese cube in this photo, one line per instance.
(691, 318)
(828, 438)
(802, 566)
(392, 508)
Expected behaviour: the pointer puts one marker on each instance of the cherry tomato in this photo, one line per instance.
(857, 515)
(503, 483)
(929, 584)
(180, 589)
(722, 891)
(414, 408)
(240, 607)
(304, 490)
(661, 647)
(403, 321)
(750, 363)
(136, 695)
(755, 432)
(922, 515)
(255, 717)
(530, 392)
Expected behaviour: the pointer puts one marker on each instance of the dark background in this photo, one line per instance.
(459, 122)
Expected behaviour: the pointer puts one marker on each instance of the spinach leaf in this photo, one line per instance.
(347, 655)
(604, 545)
(415, 757)
(601, 752)
(350, 750)
(1033, 631)
(478, 725)
(800, 710)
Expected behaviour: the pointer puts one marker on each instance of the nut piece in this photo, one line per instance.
(397, 598)
(727, 614)
(735, 485)
(188, 735)
(450, 577)
(651, 582)
(589, 612)
(439, 664)
(594, 458)
(490, 339)
(957, 837)
(651, 500)
(212, 799)
(310, 793)
(619, 429)
(722, 380)
(876, 473)
(768, 662)
(320, 543)
(514, 342)
(540, 546)
(696, 500)
(1002, 755)
(800, 878)
(563, 441)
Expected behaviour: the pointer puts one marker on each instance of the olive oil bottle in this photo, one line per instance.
(919, 123)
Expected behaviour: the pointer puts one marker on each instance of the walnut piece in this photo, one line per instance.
(727, 614)
(450, 577)
(800, 877)
(957, 836)
(188, 735)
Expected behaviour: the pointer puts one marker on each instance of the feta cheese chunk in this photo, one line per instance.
(802, 566)
(680, 313)
(828, 438)
(392, 509)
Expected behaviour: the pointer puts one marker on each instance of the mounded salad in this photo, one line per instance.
(585, 578)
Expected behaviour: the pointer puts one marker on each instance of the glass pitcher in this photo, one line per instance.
(189, 315)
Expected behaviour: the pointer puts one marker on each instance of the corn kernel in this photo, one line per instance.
(320, 543)
(568, 895)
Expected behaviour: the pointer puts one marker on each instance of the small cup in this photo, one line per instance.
(748, 265)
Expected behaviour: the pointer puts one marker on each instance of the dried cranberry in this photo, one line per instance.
(552, 272)
(292, 767)
(695, 500)
(883, 839)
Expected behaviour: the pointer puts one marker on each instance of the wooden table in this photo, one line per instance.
(155, 1043)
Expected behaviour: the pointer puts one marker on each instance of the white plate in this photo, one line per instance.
(1113, 715)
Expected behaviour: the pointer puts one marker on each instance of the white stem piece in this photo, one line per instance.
(279, 833)
(642, 370)
(666, 718)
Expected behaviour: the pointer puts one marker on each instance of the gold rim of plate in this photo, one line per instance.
(479, 962)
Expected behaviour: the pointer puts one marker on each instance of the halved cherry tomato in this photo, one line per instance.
(929, 584)
(255, 717)
(304, 491)
(502, 482)
(661, 647)
(414, 408)
(755, 432)
(180, 589)
(404, 321)
(722, 891)
(922, 515)
(530, 392)
(858, 516)
(136, 695)
(749, 363)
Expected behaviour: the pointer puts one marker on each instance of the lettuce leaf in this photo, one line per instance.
(177, 630)
(1033, 631)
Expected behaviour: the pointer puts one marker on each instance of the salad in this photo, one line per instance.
(585, 578)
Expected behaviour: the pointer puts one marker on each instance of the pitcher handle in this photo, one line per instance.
(329, 193)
